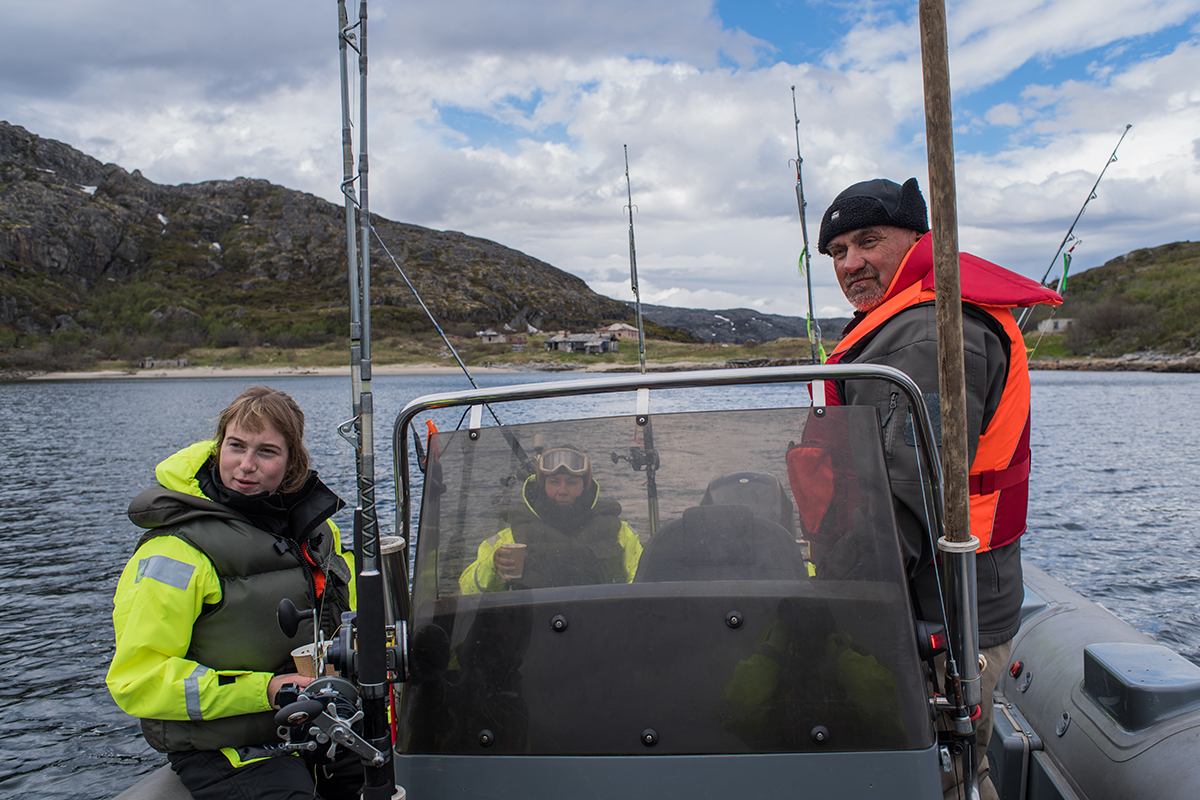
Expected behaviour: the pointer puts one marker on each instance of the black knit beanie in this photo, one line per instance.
(877, 202)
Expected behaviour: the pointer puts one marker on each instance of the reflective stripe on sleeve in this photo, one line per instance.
(191, 693)
(165, 570)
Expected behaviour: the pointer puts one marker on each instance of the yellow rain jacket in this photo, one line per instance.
(197, 642)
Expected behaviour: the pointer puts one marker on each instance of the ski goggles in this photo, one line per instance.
(563, 459)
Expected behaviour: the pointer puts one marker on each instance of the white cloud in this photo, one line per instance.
(1005, 114)
(508, 121)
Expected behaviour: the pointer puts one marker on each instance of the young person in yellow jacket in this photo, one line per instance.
(572, 537)
(236, 525)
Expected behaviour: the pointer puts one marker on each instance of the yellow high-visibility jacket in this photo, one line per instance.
(605, 549)
(197, 642)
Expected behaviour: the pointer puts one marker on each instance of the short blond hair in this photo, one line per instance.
(262, 403)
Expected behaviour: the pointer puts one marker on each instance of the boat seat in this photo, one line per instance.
(721, 542)
(763, 493)
(162, 784)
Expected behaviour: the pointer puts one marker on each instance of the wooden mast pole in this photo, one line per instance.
(939, 137)
(958, 545)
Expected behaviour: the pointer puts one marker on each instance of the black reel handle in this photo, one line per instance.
(289, 617)
(299, 713)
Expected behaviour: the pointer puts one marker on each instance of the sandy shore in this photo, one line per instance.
(344, 371)
(250, 372)
(1141, 362)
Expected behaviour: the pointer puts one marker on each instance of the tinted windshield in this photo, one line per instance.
(736, 586)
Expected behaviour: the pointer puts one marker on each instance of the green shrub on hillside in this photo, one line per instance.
(1147, 299)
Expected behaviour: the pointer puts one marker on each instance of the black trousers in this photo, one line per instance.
(208, 775)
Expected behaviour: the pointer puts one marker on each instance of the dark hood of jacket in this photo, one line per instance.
(292, 515)
(567, 520)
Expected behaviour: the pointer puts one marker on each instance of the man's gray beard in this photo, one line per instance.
(868, 302)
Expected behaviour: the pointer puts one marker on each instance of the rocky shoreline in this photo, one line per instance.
(264, 371)
(1150, 361)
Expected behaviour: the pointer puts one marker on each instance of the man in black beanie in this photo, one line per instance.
(877, 234)
(878, 220)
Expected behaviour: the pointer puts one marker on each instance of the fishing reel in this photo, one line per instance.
(315, 719)
(342, 651)
(639, 458)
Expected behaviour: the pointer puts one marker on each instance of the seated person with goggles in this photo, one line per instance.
(560, 533)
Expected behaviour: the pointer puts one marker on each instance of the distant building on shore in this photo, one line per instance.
(1055, 325)
(620, 330)
(150, 362)
(516, 340)
(489, 336)
(587, 343)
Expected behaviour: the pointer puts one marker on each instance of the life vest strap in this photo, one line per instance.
(993, 480)
(317, 573)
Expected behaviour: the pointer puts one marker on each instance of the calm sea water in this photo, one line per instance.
(1114, 512)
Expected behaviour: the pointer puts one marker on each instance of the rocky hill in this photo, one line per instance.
(96, 260)
(99, 264)
(738, 325)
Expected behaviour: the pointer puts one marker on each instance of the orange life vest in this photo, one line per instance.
(999, 474)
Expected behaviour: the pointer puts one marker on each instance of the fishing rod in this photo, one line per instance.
(345, 35)
(372, 648)
(1071, 231)
(523, 458)
(360, 321)
(633, 280)
(648, 457)
(804, 262)
(433, 319)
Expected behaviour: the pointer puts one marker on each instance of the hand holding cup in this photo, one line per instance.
(509, 560)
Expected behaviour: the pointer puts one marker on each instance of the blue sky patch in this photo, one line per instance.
(483, 130)
(800, 31)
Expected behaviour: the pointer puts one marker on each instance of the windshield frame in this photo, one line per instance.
(476, 399)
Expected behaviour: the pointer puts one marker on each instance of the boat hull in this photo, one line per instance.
(1096, 709)
(1094, 758)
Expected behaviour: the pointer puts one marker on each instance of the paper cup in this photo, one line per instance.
(516, 552)
(306, 665)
